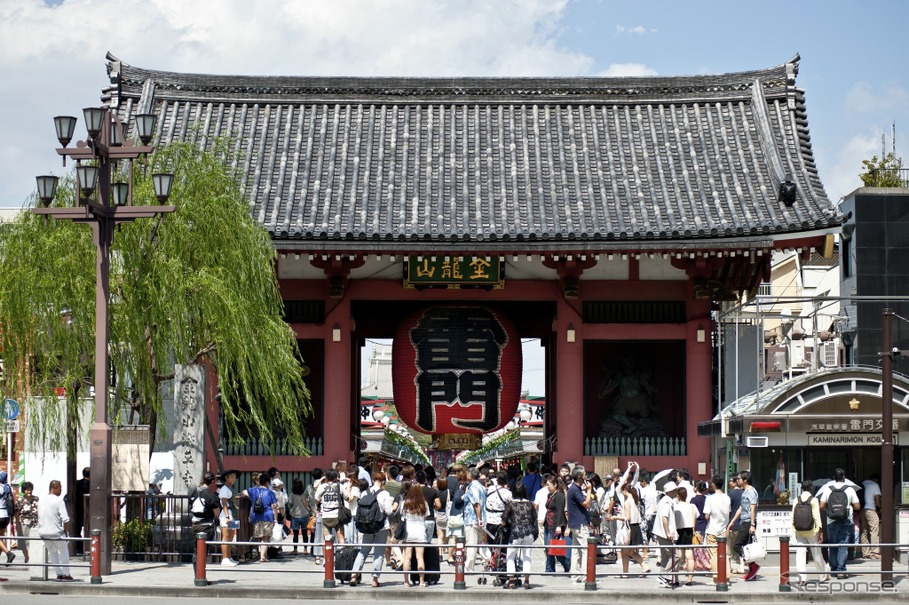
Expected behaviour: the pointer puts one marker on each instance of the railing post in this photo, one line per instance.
(591, 582)
(722, 580)
(201, 556)
(459, 582)
(784, 564)
(329, 557)
(95, 556)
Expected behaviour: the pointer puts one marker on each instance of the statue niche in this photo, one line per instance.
(630, 389)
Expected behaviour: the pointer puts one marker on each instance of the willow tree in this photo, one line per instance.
(196, 285)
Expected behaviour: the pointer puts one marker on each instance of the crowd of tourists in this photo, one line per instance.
(409, 518)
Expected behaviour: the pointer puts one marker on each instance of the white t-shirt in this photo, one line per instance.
(717, 508)
(540, 502)
(685, 512)
(225, 493)
(871, 489)
(649, 496)
(52, 516)
(329, 494)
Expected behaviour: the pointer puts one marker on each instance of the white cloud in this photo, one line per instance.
(52, 58)
(635, 30)
(626, 70)
(863, 98)
(842, 176)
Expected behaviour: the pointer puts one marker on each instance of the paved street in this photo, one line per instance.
(298, 577)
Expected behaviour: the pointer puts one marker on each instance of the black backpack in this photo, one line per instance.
(370, 516)
(838, 507)
(259, 506)
(802, 517)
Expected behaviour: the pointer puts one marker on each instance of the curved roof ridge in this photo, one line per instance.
(552, 88)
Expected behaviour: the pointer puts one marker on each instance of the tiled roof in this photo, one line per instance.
(501, 159)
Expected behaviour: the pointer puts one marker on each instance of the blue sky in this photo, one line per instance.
(852, 69)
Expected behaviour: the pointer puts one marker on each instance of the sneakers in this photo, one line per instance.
(66, 578)
(752, 572)
(9, 558)
(665, 583)
(228, 562)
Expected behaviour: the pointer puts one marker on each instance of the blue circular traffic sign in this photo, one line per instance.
(9, 409)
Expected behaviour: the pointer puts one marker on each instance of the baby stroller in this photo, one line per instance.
(496, 564)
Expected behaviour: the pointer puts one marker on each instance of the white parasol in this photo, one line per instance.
(662, 477)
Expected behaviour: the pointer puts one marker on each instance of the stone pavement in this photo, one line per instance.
(297, 576)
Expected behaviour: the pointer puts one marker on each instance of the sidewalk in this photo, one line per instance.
(295, 576)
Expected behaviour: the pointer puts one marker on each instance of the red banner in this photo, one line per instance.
(456, 369)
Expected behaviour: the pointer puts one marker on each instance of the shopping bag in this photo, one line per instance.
(753, 551)
(556, 547)
(701, 556)
(622, 534)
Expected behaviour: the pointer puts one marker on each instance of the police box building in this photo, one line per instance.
(457, 216)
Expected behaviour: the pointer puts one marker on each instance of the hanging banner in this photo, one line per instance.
(456, 369)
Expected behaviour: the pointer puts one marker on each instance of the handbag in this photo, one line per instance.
(401, 530)
(556, 547)
(344, 515)
(753, 551)
(622, 534)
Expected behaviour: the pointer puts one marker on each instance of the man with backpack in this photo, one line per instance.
(839, 501)
(373, 509)
(806, 527)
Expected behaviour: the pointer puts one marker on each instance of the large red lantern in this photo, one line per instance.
(456, 369)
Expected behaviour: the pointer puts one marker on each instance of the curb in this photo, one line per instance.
(472, 595)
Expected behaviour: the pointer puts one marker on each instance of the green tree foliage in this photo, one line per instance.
(194, 285)
(883, 171)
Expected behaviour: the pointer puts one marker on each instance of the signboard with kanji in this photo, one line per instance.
(454, 271)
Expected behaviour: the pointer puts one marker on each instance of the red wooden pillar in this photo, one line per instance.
(336, 410)
(569, 388)
(698, 384)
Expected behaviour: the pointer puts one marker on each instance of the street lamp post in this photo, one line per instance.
(887, 485)
(103, 205)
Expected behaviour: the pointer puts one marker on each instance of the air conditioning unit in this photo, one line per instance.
(756, 441)
(829, 355)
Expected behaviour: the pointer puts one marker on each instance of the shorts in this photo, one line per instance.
(263, 529)
(330, 522)
(298, 523)
(4, 522)
(231, 525)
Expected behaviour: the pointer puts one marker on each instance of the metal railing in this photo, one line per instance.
(635, 446)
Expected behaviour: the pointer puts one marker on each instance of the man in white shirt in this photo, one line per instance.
(665, 532)
(717, 509)
(539, 505)
(649, 496)
(53, 524)
(840, 527)
(870, 517)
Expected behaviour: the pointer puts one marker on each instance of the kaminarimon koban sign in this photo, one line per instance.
(456, 369)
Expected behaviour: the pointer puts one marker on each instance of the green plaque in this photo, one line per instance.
(454, 272)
